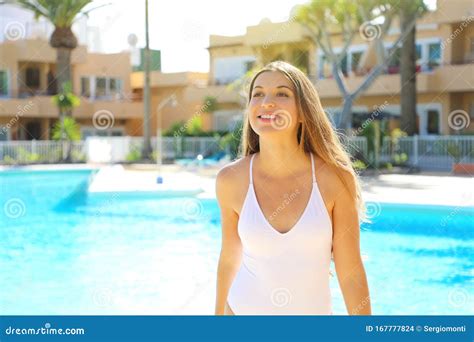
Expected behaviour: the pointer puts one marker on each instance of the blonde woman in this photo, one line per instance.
(287, 205)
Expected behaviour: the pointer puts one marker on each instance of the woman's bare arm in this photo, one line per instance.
(231, 249)
(349, 267)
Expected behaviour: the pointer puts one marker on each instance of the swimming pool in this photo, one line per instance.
(66, 251)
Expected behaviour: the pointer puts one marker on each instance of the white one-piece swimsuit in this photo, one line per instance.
(283, 273)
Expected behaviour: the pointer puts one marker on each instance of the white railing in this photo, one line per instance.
(430, 152)
(424, 152)
(40, 151)
(122, 149)
(355, 146)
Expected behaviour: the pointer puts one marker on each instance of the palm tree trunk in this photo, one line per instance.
(146, 152)
(408, 74)
(63, 63)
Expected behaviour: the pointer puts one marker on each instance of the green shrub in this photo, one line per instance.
(133, 156)
(400, 158)
(359, 165)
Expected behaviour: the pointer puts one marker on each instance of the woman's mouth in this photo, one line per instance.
(267, 117)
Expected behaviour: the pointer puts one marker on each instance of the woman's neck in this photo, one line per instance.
(280, 159)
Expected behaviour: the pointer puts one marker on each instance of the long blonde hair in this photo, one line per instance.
(315, 133)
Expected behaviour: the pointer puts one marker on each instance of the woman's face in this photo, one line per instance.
(272, 106)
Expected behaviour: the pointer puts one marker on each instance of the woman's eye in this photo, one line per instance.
(282, 94)
(256, 94)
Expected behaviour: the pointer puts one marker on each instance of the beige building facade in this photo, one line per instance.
(27, 84)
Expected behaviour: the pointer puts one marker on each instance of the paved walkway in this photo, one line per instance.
(433, 188)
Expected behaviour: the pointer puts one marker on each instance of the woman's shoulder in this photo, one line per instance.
(332, 178)
(234, 175)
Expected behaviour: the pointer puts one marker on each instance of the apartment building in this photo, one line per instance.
(28, 82)
(445, 67)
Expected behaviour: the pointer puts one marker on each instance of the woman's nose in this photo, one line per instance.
(268, 102)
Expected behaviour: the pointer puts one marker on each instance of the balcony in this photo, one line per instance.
(445, 78)
(43, 107)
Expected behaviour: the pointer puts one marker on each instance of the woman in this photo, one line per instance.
(287, 205)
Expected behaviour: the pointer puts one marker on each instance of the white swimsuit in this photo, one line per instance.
(283, 273)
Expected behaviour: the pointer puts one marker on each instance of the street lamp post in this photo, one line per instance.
(159, 141)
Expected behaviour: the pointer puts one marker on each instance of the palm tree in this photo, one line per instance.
(410, 10)
(62, 14)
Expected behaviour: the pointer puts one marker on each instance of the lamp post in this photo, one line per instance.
(146, 90)
(159, 141)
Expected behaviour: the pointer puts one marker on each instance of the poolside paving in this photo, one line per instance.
(425, 188)
(431, 188)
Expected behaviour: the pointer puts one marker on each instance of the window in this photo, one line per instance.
(434, 54)
(100, 87)
(3, 83)
(325, 67)
(85, 87)
(394, 64)
(343, 65)
(229, 69)
(4, 133)
(94, 132)
(355, 60)
(115, 87)
(32, 77)
(249, 65)
(433, 122)
(418, 51)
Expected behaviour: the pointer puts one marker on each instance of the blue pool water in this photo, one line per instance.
(66, 251)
